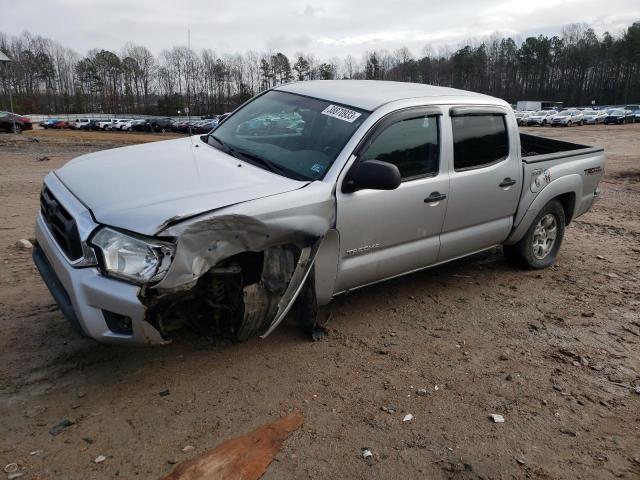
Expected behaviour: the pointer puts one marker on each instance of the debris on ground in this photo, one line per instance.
(496, 417)
(99, 459)
(11, 467)
(366, 453)
(246, 457)
(60, 426)
(407, 418)
(43, 159)
(164, 393)
(24, 244)
(188, 448)
(421, 392)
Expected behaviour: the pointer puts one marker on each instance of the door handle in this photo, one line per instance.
(435, 197)
(507, 182)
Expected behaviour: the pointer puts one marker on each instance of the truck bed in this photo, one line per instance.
(552, 168)
(539, 149)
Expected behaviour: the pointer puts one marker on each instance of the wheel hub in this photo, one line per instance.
(544, 236)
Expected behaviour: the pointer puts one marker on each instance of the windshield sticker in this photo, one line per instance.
(342, 113)
(317, 168)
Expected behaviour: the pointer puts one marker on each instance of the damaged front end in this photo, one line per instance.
(236, 272)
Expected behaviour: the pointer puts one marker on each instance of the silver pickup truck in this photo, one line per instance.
(305, 192)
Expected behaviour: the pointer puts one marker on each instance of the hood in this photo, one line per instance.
(143, 187)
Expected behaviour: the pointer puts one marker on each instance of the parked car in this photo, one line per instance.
(12, 122)
(90, 125)
(140, 125)
(127, 125)
(60, 125)
(593, 117)
(617, 116)
(566, 118)
(46, 124)
(162, 124)
(636, 116)
(104, 124)
(120, 123)
(522, 119)
(186, 126)
(206, 126)
(362, 187)
(540, 118)
(77, 124)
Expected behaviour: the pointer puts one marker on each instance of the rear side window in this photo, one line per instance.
(411, 145)
(479, 140)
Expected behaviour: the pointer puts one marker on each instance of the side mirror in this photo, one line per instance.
(373, 175)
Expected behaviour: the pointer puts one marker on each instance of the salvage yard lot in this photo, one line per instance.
(556, 352)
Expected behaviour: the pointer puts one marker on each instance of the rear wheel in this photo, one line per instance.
(540, 245)
(17, 128)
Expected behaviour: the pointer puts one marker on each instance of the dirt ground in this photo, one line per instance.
(556, 352)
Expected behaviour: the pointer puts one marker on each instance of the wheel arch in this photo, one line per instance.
(565, 190)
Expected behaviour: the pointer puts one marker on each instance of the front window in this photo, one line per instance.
(292, 135)
(410, 144)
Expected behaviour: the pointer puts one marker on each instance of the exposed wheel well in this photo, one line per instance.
(568, 201)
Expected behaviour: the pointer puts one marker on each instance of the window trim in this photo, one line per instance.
(385, 122)
(476, 111)
(479, 112)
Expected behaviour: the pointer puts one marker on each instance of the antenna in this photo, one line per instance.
(188, 110)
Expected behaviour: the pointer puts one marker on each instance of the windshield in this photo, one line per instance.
(590, 112)
(616, 112)
(542, 113)
(289, 134)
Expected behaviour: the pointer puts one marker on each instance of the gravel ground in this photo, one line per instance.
(555, 352)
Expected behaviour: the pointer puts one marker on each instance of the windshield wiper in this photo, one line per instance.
(225, 148)
(252, 157)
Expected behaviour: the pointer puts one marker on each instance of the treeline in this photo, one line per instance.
(576, 67)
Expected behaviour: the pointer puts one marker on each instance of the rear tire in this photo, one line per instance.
(540, 245)
(17, 128)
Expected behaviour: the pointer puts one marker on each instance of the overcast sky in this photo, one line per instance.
(325, 28)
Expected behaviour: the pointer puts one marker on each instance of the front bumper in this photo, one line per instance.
(87, 298)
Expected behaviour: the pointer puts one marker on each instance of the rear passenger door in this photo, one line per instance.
(388, 233)
(485, 181)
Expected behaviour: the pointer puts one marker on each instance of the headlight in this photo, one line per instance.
(131, 258)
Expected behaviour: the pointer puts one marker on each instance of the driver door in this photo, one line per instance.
(385, 233)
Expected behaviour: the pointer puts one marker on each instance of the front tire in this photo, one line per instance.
(17, 128)
(540, 245)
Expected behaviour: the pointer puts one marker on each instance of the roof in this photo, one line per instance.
(371, 94)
